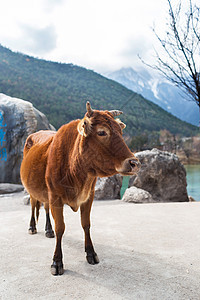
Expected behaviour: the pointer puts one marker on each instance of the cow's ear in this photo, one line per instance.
(84, 127)
(121, 124)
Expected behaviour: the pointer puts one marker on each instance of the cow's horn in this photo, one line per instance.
(89, 109)
(115, 113)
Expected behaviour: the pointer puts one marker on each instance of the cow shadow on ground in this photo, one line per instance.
(126, 273)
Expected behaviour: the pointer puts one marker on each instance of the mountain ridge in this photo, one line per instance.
(60, 91)
(157, 90)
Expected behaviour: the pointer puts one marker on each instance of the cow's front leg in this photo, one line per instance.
(57, 213)
(91, 255)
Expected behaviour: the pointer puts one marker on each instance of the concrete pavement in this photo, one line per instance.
(146, 251)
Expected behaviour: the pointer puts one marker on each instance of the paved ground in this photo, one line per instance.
(146, 251)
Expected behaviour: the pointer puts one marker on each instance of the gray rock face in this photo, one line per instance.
(136, 195)
(108, 188)
(18, 119)
(162, 175)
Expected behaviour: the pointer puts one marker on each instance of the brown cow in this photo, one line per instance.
(62, 167)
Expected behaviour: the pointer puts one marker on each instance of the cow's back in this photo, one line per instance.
(34, 163)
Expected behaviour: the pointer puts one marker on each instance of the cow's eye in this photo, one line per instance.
(101, 133)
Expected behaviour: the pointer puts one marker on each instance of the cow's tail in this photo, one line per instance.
(38, 204)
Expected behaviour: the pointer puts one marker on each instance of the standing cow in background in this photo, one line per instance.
(62, 167)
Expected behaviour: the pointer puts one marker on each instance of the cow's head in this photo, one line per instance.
(103, 146)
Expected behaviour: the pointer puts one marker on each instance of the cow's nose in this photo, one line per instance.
(129, 166)
(134, 164)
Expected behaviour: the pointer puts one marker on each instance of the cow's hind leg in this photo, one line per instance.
(57, 213)
(48, 228)
(91, 255)
(34, 204)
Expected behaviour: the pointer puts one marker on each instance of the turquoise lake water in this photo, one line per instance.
(193, 181)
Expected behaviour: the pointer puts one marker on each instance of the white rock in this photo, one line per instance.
(8, 188)
(136, 195)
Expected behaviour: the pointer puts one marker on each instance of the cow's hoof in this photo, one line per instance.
(57, 268)
(32, 230)
(92, 258)
(49, 234)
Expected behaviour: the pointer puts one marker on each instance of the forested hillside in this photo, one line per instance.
(61, 91)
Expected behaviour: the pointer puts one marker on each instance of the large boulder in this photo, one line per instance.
(18, 119)
(108, 188)
(162, 175)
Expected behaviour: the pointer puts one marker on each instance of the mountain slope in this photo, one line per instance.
(61, 91)
(158, 91)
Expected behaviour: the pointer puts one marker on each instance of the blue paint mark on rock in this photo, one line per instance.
(3, 153)
(1, 120)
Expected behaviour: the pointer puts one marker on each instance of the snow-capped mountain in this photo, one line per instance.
(158, 91)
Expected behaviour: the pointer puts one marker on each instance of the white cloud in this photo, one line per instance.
(101, 35)
(39, 41)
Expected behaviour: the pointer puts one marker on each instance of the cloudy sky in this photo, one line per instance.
(102, 35)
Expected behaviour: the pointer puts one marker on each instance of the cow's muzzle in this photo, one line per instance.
(130, 166)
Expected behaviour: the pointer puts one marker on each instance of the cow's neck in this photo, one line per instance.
(78, 179)
(80, 185)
